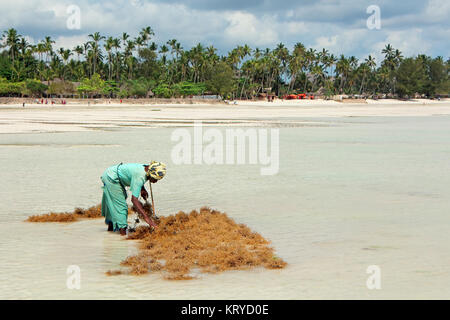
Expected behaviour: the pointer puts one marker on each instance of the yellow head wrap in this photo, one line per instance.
(156, 170)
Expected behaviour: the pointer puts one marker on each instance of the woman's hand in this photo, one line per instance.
(150, 222)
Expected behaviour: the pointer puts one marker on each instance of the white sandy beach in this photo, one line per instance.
(76, 117)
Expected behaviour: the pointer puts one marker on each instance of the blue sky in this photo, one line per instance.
(413, 26)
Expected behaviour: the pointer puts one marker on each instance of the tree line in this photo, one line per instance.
(125, 66)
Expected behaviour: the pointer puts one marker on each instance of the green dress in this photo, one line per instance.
(114, 200)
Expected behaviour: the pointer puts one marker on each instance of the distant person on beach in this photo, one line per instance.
(115, 179)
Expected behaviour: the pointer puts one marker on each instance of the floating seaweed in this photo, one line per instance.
(208, 241)
(113, 272)
(79, 213)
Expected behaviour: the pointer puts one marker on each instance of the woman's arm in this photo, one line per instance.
(138, 205)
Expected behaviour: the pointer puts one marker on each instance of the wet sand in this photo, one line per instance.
(68, 118)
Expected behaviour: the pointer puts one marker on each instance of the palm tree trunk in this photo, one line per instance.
(306, 82)
(242, 90)
(362, 84)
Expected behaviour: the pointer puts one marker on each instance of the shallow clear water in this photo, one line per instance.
(351, 193)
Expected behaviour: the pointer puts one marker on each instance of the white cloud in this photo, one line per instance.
(409, 42)
(245, 27)
(326, 42)
(69, 42)
(438, 11)
(339, 27)
(295, 27)
(347, 42)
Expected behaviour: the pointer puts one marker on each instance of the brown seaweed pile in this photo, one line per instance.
(90, 213)
(208, 241)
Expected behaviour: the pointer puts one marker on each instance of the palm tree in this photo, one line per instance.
(146, 34)
(11, 39)
(108, 47)
(96, 38)
(310, 62)
(296, 63)
(368, 66)
(331, 61)
(129, 57)
(397, 59)
(392, 61)
(323, 56)
(317, 72)
(139, 41)
(178, 50)
(23, 46)
(116, 45)
(370, 61)
(40, 50)
(353, 61)
(86, 51)
(78, 50)
(48, 43)
(342, 70)
(65, 55)
(197, 58)
(163, 50)
(153, 46)
(364, 69)
(125, 37)
(172, 43)
(18, 69)
(388, 51)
